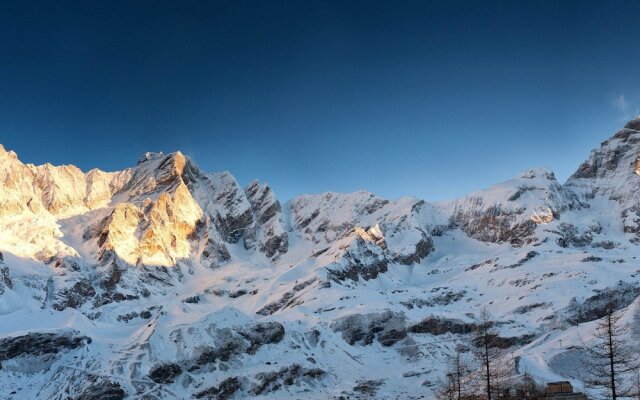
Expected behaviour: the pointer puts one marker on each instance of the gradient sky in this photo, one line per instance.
(432, 99)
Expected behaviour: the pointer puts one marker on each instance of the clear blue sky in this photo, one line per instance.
(432, 99)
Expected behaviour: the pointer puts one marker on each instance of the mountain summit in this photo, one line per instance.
(164, 281)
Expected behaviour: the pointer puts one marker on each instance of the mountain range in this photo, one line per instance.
(163, 281)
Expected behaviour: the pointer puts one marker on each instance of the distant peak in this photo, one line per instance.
(149, 155)
(634, 124)
(536, 173)
(9, 153)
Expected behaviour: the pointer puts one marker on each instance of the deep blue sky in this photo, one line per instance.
(432, 99)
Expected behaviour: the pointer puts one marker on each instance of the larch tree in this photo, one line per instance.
(610, 359)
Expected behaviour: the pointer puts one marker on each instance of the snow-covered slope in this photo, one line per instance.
(162, 281)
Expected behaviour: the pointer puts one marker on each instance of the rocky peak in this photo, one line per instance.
(329, 216)
(232, 208)
(615, 164)
(20, 193)
(538, 173)
(155, 213)
(263, 201)
(7, 154)
(148, 156)
(270, 233)
(101, 186)
(155, 233)
(395, 228)
(612, 173)
(634, 124)
(510, 211)
(63, 188)
(157, 174)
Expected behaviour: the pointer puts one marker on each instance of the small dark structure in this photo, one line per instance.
(562, 391)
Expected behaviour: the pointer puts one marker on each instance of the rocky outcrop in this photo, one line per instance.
(289, 298)
(5, 278)
(80, 293)
(387, 328)
(39, 343)
(102, 389)
(405, 233)
(225, 345)
(165, 373)
(367, 387)
(262, 333)
(263, 383)
(363, 259)
(441, 326)
(225, 390)
(570, 235)
(269, 382)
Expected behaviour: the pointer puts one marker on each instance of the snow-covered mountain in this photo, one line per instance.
(163, 281)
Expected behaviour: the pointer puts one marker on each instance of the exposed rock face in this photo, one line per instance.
(5, 278)
(102, 389)
(228, 344)
(157, 231)
(288, 299)
(101, 186)
(270, 233)
(441, 326)
(387, 327)
(263, 383)
(262, 333)
(63, 188)
(570, 235)
(225, 390)
(81, 292)
(234, 216)
(616, 156)
(368, 388)
(268, 382)
(363, 258)
(595, 307)
(330, 216)
(39, 343)
(399, 225)
(362, 234)
(165, 373)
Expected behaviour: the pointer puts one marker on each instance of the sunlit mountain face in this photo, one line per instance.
(167, 281)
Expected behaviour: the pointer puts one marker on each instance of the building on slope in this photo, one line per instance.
(562, 391)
